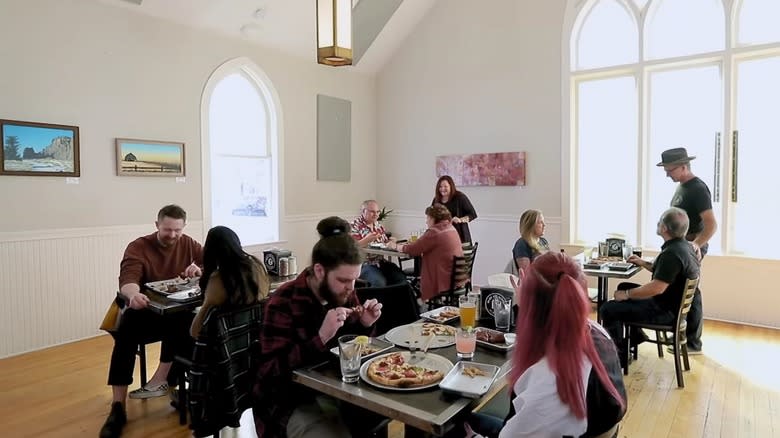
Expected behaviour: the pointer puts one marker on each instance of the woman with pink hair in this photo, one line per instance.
(566, 378)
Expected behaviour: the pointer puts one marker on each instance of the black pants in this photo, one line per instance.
(145, 326)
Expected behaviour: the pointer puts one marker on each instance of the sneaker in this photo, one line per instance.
(144, 392)
(116, 420)
(691, 351)
(174, 397)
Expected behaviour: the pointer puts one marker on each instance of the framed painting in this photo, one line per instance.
(492, 169)
(39, 149)
(149, 158)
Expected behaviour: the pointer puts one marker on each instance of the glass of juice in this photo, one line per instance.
(468, 311)
(466, 342)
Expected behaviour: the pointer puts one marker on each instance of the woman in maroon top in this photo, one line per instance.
(438, 246)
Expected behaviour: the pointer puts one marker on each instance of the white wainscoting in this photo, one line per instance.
(55, 285)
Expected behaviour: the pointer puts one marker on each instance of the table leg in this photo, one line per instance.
(603, 292)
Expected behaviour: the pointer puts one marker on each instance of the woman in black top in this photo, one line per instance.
(457, 203)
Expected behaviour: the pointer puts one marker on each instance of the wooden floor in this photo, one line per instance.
(731, 391)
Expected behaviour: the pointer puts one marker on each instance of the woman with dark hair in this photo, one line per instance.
(302, 321)
(457, 203)
(566, 378)
(231, 277)
(438, 245)
(531, 244)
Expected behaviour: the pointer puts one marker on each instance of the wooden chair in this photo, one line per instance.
(460, 279)
(667, 334)
(222, 370)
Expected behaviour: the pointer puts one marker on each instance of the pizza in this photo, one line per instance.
(393, 370)
(473, 372)
(430, 328)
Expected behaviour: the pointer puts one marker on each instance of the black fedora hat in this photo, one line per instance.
(674, 156)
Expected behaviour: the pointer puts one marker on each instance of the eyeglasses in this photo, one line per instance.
(372, 211)
(671, 169)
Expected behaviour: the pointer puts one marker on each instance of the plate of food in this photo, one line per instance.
(173, 285)
(373, 347)
(419, 335)
(185, 295)
(494, 339)
(405, 371)
(470, 379)
(442, 315)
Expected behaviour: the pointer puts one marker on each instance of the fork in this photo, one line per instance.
(427, 343)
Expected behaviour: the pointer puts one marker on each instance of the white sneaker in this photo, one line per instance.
(144, 392)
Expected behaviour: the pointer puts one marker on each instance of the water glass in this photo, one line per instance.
(468, 311)
(349, 358)
(502, 309)
(465, 342)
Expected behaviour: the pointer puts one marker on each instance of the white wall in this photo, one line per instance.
(114, 74)
(489, 79)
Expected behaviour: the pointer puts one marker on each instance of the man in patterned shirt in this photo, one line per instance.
(366, 229)
(302, 321)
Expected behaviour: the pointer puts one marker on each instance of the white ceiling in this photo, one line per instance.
(286, 25)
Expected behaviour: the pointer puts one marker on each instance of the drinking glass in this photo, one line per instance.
(468, 311)
(637, 251)
(477, 297)
(502, 309)
(413, 236)
(465, 342)
(349, 358)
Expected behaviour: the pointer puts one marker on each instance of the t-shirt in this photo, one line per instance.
(676, 264)
(523, 249)
(694, 197)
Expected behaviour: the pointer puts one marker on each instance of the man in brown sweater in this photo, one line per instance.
(162, 255)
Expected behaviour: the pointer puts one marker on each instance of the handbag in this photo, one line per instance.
(113, 316)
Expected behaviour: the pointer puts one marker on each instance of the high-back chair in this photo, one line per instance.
(222, 370)
(399, 305)
(668, 334)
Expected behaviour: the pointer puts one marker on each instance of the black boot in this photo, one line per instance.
(116, 420)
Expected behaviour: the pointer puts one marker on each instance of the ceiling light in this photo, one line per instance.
(334, 32)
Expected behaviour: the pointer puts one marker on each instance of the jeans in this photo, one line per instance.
(615, 313)
(386, 274)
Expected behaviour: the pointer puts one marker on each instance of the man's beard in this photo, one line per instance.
(329, 295)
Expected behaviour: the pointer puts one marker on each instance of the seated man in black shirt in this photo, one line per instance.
(659, 300)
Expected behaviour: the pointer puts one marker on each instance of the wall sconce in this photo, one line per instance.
(334, 32)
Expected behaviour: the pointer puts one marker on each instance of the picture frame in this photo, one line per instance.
(39, 149)
(136, 157)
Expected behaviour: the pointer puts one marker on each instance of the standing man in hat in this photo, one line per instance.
(693, 196)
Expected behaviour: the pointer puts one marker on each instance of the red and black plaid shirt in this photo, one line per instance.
(289, 340)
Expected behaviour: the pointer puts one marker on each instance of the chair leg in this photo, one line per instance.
(684, 348)
(658, 336)
(142, 362)
(626, 349)
(677, 365)
(182, 407)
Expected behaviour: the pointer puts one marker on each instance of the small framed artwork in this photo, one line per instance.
(39, 149)
(149, 158)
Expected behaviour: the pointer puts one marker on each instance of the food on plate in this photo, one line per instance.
(473, 372)
(358, 310)
(491, 336)
(392, 370)
(429, 328)
(171, 287)
(446, 314)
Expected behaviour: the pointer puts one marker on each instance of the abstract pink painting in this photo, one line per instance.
(494, 169)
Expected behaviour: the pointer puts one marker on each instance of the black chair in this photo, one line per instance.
(667, 334)
(222, 370)
(399, 305)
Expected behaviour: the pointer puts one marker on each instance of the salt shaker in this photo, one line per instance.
(284, 266)
(292, 265)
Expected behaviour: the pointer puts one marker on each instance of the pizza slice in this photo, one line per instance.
(392, 370)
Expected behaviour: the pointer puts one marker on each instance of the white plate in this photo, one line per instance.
(432, 315)
(425, 360)
(410, 335)
(504, 346)
(377, 245)
(184, 295)
(383, 346)
(180, 284)
(472, 387)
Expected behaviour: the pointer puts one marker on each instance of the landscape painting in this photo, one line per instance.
(149, 158)
(493, 169)
(40, 149)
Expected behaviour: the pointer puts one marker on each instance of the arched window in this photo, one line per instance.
(675, 94)
(608, 36)
(241, 125)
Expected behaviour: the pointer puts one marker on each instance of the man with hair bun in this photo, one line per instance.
(302, 322)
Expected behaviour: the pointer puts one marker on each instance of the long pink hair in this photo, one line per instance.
(553, 322)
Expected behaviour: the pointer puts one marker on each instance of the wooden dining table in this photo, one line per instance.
(430, 410)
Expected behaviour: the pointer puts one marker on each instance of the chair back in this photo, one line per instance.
(224, 365)
(502, 279)
(399, 305)
(685, 305)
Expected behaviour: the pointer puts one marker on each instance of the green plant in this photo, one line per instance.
(383, 214)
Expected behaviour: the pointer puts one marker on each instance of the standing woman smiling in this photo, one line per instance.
(457, 203)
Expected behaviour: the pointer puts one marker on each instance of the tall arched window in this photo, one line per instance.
(705, 78)
(241, 125)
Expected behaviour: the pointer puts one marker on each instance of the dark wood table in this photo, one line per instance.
(430, 410)
(603, 276)
(400, 256)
